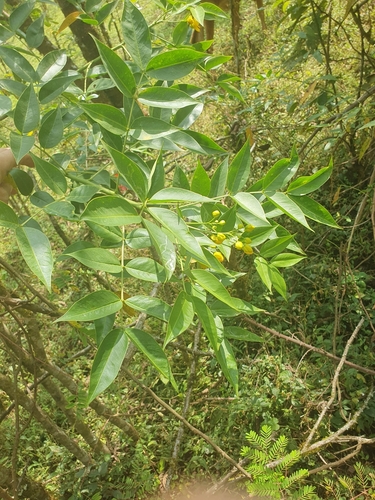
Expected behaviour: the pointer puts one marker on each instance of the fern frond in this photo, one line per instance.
(296, 476)
(245, 450)
(363, 478)
(346, 482)
(254, 439)
(260, 457)
(289, 460)
(278, 448)
(305, 493)
(266, 436)
(265, 490)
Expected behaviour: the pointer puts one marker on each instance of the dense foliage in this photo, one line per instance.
(184, 293)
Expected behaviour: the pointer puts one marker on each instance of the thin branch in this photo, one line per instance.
(193, 429)
(342, 460)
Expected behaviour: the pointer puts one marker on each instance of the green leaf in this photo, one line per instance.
(35, 32)
(249, 203)
(153, 352)
(281, 173)
(173, 223)
(165, 97)
(185, 117)
(110, 211)
(52, 176)
(130, 171)
(315, 211)
(52, 130)
(117, 69)
(151, 306)
(307, 184)
(200, 182)
(275, 246)
(177, 195)
(156, 178)
(286, 260)
(219, 180)
(103, 326)
(56, 86)
(174, 64)
(51, 64)
(5, 105)
(98, 259)
(23, 181)
(94, 306)
(263, 270)
(180, 319)
(82, 194)
(147, 127)
(20, 14)
(12, 86)
(278, 281)
(20, 145)
(146, 269)
(107, 362)
(163, 246)
(108, 117)
(180, 179)
(228, 363)
(289, 207)
(5, 34)
(207, 320)
(136, 34)
(204, 143)
(36, 250)
(105, 11)
(8, 217)
(210, 283)
(26, 112)
(238, 333)
(239, 169)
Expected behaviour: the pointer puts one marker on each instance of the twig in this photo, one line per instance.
(188, 424)
(335, 379)
(308, 346)
(331, 465)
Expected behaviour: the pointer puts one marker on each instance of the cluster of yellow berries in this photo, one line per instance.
(243, 243)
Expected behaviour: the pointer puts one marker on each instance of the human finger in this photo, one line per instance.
(6, 190)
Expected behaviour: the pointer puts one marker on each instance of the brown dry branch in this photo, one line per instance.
(310, 347)
(193, 429)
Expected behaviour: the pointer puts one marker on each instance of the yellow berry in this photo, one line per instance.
(215, 213)
(214, 238)
(220, 237)
(238, 245)
(240, 226)
(219, 256)
(247, 249)
(247, 240)
(222, 222)
(249, 227)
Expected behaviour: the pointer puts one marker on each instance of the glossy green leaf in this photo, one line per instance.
(110, 211)
(201, 182)
(5, 105)
(263, 270)
(249, 203)
(153, 352)
(207, 320)
(146, 269)
(289, 207)
(147, 127)
(108, 117)
(8, 217)
(136, 34)
(131, 172)
(51, 64)
(205, 145)
(228, 363)
(105, 11)
(26, 112)
(239, 169)
(52, 176)
(275, 246)
(103, 326)
(35, 32)
(23, 181)
(156, 179)
(177, 195)
(5, 34)
(93, 306)
(61, 209)
(180, 319)
(138, 238)
(223, 310)
(20, 145)
(174, 64)
(180, 179)
(278, 281)
(12, 86)
(151, 306)
(99, 259)
(107, 362)
(165, 97)
(185, 117)
(56, 86)
(36, 251)
(52, 130)
(173, 223)
(163, 246)
(20, 14)
(281, 173)
(286, 260)
(219, 180)
(307, 184)
(210, 283)
(82, 194)
(314, 210)
(117, 69)
(238, 333)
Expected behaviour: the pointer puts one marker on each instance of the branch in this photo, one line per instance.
(310, 347)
